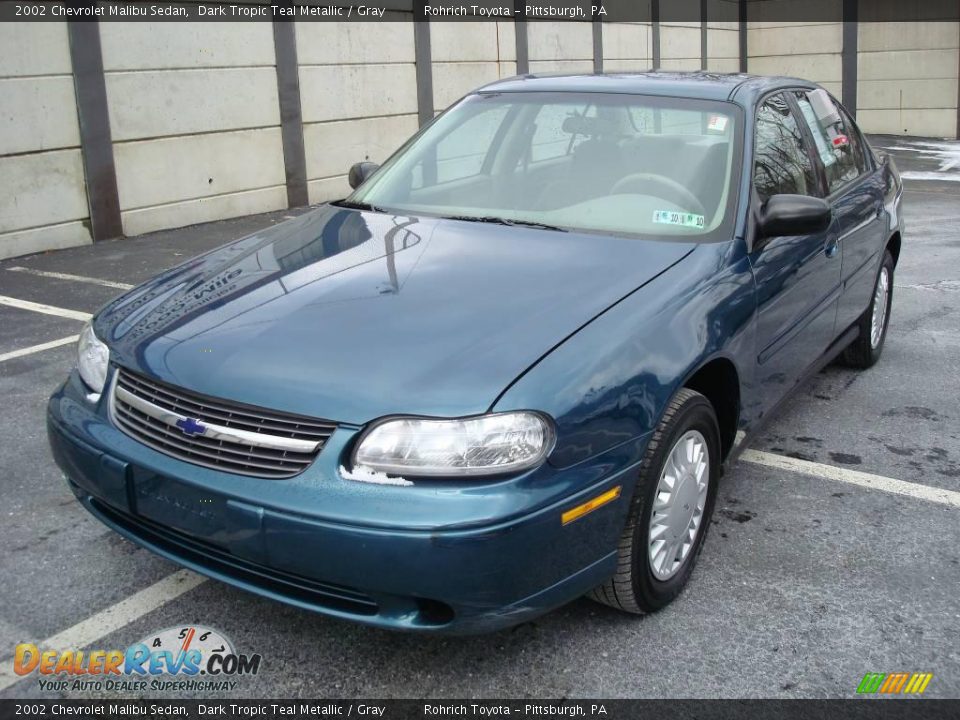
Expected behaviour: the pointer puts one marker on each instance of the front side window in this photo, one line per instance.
(781, 163)
(627, 164)
(838, 144)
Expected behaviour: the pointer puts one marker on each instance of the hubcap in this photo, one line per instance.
(879, 318)
(678, 505)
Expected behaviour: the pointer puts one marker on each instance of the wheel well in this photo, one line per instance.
(893, 245)
(719, 382)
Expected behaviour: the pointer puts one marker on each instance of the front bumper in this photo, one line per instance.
(441, 557)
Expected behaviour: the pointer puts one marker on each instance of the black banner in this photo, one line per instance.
(888, 709)
(666, 11)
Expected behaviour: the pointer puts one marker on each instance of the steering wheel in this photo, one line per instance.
(661, 187)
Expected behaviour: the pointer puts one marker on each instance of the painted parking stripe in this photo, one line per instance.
(38, 348)
(73, 278)
(854, 477)
(45, 309)
(112, 619)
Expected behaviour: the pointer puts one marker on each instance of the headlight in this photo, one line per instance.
(92, 359)
(485, 445)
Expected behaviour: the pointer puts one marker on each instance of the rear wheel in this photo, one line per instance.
(670, 510)
(866, 349)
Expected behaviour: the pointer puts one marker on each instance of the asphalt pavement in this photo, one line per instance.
(808, 580)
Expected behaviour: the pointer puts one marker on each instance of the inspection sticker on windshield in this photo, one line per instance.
(717, 123)
(668, 217)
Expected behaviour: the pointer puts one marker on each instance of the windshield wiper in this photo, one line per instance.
(506, 221)
(349, 204)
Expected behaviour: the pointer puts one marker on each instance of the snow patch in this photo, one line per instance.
(368, 475)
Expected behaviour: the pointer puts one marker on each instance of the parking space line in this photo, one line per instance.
(38, 348)
(112, 619)
(854, 477)
(73, 278)
(45, 309)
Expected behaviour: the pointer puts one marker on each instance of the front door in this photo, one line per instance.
(797, 278)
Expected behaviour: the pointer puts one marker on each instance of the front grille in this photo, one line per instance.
(216, 433)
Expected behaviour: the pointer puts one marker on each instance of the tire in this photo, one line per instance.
(866, 349)
(636, 587)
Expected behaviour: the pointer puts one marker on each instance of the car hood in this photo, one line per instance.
(350, 316)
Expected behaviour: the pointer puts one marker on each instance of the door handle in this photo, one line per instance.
(832, 246)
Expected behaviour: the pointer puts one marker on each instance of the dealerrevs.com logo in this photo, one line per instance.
(184, 658)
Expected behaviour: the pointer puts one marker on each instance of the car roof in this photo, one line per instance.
(739, 87)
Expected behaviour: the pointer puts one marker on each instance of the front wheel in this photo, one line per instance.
(865, 350)
(670, 510)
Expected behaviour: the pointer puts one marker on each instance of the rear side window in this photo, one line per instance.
(838, 144)
(781, 163)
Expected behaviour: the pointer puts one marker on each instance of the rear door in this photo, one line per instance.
(855, 190)
(797, 277)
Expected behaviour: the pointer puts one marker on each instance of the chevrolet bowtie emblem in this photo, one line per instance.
(189, 426)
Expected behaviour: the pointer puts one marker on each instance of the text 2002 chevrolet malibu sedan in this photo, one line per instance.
(507, 370)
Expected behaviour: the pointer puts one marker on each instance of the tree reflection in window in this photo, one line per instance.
(781, 163)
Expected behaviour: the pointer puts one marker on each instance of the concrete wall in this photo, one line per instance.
(358, 92)
(907, 81)
(723, 46)
(195, 121)
(627, 47)
(467, 55)
(807, 50)
(680, 46)
(43, 201)
(565, 47)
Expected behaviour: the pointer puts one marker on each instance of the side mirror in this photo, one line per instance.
(360, 172)
(794, 215)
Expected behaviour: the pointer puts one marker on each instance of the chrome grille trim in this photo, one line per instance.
(235, 438)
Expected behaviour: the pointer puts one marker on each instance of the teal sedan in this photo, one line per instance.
(509, 369)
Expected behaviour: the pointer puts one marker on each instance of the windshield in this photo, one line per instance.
(629, 164)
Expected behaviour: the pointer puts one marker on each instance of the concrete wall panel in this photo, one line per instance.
(908, 64)
(329, 92)
(626, 41)
(723, 65)
(178, 102)
(765, 40)
(453, 80)
(43, 201)
(333, 147)
(626, 66)
(886, 36)
(723, 44)
(464, 42)
(818, 68)
(37, 113)
(925, 123)
(560, 40)
(896, 94)
(34, 48)
(41, 189)
(155, 172)
(175, 45)
(329, 43)
(561, 66)
(680, 41)
(48, 237)
(190, 212)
